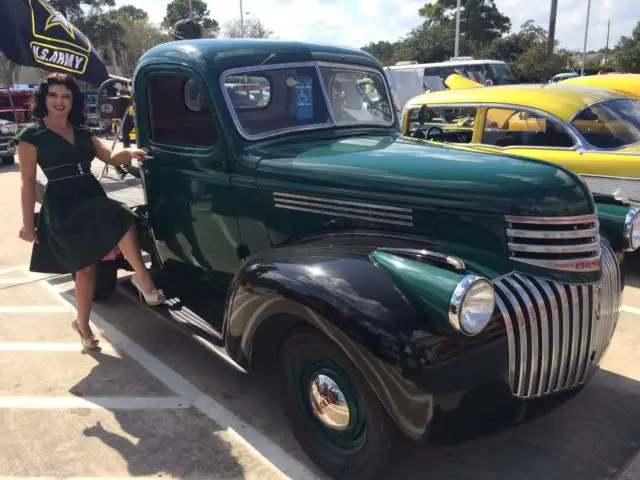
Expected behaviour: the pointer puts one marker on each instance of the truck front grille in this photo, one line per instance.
(557, 333)
(559, 243)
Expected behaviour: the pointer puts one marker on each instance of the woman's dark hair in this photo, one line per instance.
(39, 104)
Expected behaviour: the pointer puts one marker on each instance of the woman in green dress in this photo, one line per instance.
(78, 224)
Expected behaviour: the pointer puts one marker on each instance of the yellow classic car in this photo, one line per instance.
(628, 83)
(595, 132)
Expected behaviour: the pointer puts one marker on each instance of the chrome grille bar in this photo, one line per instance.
(558, 243)
(556, 336)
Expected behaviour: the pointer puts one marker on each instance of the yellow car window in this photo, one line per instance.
(611, 124)
(444, 124)
(510, 127)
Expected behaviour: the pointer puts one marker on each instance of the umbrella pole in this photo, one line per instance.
(4, 80)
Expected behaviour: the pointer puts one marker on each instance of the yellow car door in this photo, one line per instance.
(518, 132)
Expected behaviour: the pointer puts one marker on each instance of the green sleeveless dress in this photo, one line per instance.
(78, 224)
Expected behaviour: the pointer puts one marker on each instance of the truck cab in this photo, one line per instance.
(390, 284)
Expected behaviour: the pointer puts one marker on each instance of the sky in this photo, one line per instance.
(357, 22)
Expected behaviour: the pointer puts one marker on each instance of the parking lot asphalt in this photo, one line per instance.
(154, 403)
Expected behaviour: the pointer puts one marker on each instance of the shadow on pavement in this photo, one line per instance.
(632, 269)
(589, 437)
(181, 443)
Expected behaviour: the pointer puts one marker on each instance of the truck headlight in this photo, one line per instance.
(632, 230)
(472, 304)
(4, 130)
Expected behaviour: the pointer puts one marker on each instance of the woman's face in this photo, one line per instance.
(59, 101)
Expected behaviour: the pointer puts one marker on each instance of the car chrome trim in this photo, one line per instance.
(328, 403)
(344, 208)
(542, 241)
(619, 187)
(561, 339)
(582, 264)
(590, 218)
(550, 234)
(582, 248)
(341, 202)
(454, 262)
(457, 300)
(628, 228)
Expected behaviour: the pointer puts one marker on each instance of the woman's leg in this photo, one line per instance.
(85, 286)
(130, 248)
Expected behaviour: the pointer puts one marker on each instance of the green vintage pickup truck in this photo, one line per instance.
(394, 286)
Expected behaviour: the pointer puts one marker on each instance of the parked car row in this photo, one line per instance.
(577, 123)
(395, 278)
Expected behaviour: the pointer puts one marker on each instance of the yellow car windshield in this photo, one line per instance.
(610, 125)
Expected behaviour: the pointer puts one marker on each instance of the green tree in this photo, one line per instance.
(384, 51)
(131, 12)
(11, 70)
(179, 9)
(480, 20)
(73, 10)
(525, 52)
(627, 52)
(253, 28)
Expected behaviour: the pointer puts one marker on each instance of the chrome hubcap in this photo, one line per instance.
(329, 403)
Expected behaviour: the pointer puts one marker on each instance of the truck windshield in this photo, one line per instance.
(266, 102)
(610, 125)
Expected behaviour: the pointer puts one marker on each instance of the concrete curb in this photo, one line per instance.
(631, 471)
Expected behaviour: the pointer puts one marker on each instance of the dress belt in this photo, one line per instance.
(70, 170)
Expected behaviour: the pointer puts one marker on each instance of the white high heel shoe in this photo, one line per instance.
(90, 342)
(156, 297)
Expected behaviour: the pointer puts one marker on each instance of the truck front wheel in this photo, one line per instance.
(8, 160)
(334, 415)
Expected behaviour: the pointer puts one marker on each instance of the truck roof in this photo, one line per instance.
(220, 54)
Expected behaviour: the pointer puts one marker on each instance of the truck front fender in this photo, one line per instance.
(356, 303)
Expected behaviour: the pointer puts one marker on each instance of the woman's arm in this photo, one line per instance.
(118, 158)
(27, 156)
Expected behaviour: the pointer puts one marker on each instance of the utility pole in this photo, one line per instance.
(586, 34)
(457, 47)
(241, 19)
(606, 48)
(552, 27)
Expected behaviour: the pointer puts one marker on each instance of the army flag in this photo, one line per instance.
(34, 34)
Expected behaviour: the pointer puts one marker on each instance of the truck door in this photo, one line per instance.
(187, 186)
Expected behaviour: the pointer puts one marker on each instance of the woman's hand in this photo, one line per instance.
(28, 234)
(138, 154)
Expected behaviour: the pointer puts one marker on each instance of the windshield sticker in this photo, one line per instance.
(304, 98)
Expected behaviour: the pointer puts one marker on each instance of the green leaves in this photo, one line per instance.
(179, 9)
(627, 52)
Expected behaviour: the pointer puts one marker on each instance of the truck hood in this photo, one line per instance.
(429, 175)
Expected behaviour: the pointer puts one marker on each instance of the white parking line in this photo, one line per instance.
(49, 347)
(261, 446)
(110, 403)
(630, 309)
(34, 309)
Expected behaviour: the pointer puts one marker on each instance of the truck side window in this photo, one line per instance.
(180, 112)
(507, 127)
